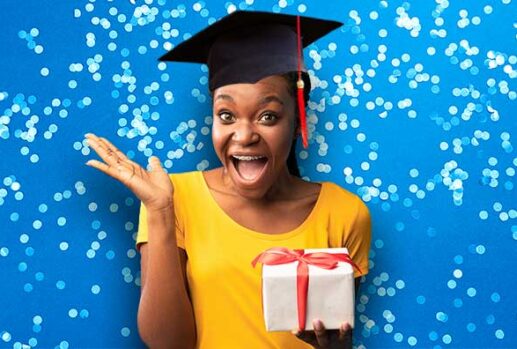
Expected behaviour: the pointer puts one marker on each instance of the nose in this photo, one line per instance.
(245, 133)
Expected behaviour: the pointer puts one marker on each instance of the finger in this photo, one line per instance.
(112, 156)
(306, 336)
(321, 333)
(120, 173)
(102, 150)
(115, 149)
(345, 332)
(154, 164)
(110, 151)
(123, 159)
(100, 166)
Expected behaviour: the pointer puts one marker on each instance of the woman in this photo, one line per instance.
(199, 231)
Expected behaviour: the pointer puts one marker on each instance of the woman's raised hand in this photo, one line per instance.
(154, 187)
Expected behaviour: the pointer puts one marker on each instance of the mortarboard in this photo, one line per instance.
(246, 46)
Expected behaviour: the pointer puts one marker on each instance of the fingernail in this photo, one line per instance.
(317, 324)
(296, 332)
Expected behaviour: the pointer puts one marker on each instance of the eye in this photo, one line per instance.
(225, 116)
(269, 117)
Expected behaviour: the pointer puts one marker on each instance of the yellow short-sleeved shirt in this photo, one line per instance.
(224, 287)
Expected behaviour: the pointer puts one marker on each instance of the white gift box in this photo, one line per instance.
(330, 296)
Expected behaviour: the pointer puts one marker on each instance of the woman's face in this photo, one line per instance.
(252, 133)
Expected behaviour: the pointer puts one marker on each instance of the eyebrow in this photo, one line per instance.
(225, 97)
(265, 100)
(269, 99)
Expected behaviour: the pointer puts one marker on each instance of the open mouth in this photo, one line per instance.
(249, 168)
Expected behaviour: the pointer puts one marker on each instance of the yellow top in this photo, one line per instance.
(225, 289)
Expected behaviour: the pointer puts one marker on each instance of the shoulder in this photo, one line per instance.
(339, 194)
(188, 193)
(184, 175)
(343, 201)
(182, 179)
(187, 185)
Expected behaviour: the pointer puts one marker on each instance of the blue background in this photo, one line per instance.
(412, 108)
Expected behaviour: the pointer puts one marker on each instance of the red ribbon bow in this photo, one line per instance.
(282, 255)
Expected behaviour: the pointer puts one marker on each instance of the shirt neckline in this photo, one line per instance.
(261, 235)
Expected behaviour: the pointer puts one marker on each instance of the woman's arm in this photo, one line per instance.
(165, 315)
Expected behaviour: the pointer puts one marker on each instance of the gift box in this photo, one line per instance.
(301, 285)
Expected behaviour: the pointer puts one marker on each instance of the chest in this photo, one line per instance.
(277, 218)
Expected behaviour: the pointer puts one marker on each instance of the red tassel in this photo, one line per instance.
(300, 85)
(303, 117)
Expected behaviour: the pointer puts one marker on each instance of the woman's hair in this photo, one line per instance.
(292, 78)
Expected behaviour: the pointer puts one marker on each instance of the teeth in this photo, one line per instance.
(247, 158)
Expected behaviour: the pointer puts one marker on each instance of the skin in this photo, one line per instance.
(259, 119)
(254, 118)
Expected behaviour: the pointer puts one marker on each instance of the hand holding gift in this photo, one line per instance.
(301, 285)
(322, 338)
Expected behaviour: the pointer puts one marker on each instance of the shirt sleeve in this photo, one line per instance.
(358, 239)
(143, 234)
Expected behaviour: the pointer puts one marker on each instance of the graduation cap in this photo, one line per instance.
(246, 46)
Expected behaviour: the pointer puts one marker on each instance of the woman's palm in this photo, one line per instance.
(154, 187)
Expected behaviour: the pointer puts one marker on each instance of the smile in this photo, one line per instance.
(250, 168)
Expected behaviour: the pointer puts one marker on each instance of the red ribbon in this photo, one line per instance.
(282, 255)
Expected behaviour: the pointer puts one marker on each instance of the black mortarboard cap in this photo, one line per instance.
(246, 46)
